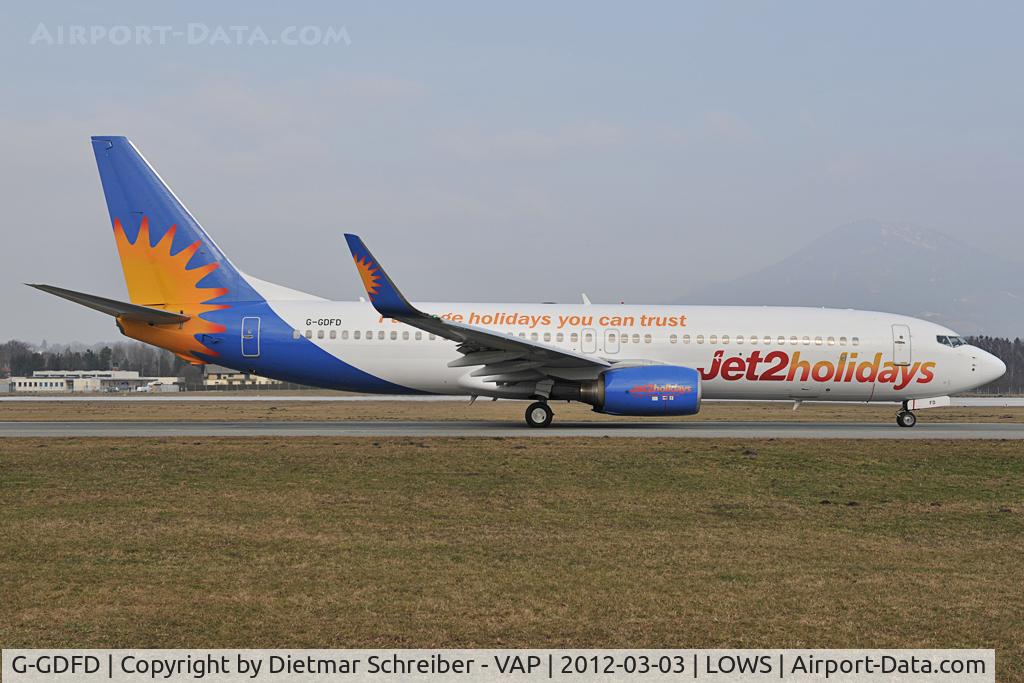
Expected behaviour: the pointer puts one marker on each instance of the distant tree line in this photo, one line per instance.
(1010, 352)
(20, 359)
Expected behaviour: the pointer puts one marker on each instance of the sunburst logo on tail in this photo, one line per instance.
(159, 279)
(370, 274)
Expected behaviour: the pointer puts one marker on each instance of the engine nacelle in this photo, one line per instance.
(645, 390)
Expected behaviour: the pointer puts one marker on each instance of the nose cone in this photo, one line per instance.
(990, 368)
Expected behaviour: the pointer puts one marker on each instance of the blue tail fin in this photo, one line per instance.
(167, 257)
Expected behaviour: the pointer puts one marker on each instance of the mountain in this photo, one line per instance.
(900, 269)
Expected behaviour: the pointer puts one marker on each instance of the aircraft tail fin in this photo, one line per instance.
(167, 257)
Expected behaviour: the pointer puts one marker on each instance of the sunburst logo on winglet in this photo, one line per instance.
(159, 279)
(370, 274)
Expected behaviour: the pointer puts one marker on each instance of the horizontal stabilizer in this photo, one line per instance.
(118, 309)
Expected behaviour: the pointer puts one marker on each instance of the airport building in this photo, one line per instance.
(102, 381)
(217, 376)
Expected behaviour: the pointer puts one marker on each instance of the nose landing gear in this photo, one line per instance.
(905, 418)
(539, 414)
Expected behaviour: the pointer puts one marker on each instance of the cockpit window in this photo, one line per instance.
(950, 340)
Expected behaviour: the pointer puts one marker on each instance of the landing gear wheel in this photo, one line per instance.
(539, 415)
(905, 418)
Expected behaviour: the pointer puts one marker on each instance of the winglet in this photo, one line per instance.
(381, 291)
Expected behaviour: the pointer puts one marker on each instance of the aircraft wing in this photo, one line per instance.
(118, 309)
(505, 358)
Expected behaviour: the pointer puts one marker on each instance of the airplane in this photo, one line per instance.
(186, 296)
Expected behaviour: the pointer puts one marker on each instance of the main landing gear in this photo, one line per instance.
(539, 415)
(905, 418)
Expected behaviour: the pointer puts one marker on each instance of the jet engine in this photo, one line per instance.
(644, 390)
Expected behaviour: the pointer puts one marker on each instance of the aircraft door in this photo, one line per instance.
(901, 351)
(611, 341)
(588, 341)
(251, 336)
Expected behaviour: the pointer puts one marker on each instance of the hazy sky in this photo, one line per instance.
(521, 152)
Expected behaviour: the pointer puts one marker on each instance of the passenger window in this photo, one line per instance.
(574, 337)
(611, 336)
(295, 334)
(842, 341)
(700, 338)
(357, 334)
(588, 336)
(344, 334)
(725, 339)
(672, 339)
(625, 339)
(561, 337)
(817, 341)
(855, 341)
(547, 336)
(686, 339)
(369, 335)
(739, 339)
(647, 339)
(419, 335)
(636, 338)
(523, 335)
(319, 334)
(405, 335)
(394, 335)
(380, 335)
(431, 337)
(309, 334)
(333, 334)
(831, 341)
(793, 340)
(533, 336)
(713, 339)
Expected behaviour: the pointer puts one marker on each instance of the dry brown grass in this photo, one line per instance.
(171, 410)
(512, 542)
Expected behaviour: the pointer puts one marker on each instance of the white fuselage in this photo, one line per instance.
(743, 352)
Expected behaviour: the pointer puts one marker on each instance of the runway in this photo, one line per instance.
(382, 428)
